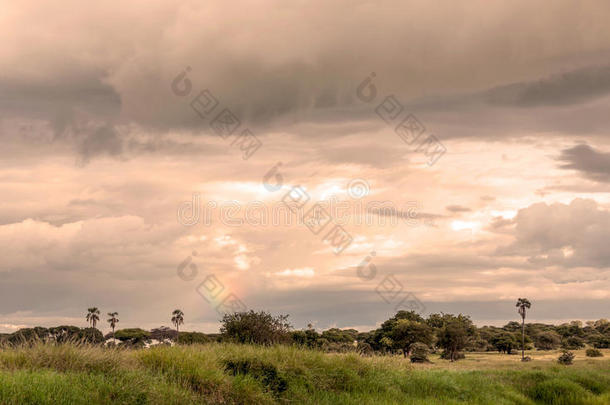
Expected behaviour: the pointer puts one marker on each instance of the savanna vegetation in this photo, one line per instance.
(260, 358)
(228, 373)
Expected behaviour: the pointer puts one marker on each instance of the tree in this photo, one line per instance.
(337, 335)
(405, 333)
(191, 338)
(177, 319)
(90, 335)
(113, 320)
(523, 304)
(133, 337)
(162, 333)
(64, 333)
(388, 325)
(255, 327)
(548, 340)
(93, 315)
(504, 342)
(28, 336)
(573, 343)
(455, 334)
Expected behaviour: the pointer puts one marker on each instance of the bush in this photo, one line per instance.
(265, 373)
(594, 353)
(557, 391)
(566, 358)
(419, 353)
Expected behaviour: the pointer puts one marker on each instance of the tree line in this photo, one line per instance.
(406, 333)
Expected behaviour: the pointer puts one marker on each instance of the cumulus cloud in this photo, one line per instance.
(569, 235)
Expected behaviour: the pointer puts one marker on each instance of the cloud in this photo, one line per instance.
(589, 162)
(569, 235)
(566, 88)
(103, 141)
(457, 208)
(306, 272)
(105, 232)
(292, 72)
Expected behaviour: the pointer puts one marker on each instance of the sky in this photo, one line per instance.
(335, 161)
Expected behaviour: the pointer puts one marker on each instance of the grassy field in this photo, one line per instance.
(234, 374)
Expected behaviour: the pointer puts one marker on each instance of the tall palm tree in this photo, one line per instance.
(523, 304)
(113, 320)
(93, 316)
(177, 318)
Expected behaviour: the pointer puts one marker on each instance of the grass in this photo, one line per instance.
(237, 374)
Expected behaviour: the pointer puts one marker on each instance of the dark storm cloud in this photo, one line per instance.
(591, 163)
(304, 64)
(58, 99)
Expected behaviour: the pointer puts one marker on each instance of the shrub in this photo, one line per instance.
(557, 391)
(566, 358)
(419, 353)
(594, 353)
(265, 373)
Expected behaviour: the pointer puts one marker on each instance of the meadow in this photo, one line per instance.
(222, 373)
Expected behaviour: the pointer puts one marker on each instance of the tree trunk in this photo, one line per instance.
(523, 338)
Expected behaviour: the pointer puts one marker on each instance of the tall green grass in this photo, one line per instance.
(242, 374)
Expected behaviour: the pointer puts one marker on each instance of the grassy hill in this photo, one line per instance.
(241, 374)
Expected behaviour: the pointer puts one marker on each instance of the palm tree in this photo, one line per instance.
(177, 318)
(113, 320)
(93, 316)
(523, 304)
